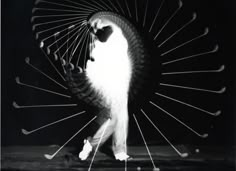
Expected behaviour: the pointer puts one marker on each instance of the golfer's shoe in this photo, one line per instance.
(122, 156)
(87, 149)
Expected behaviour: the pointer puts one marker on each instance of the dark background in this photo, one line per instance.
(18, 42)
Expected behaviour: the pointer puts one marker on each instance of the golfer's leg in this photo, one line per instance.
(102, 134)
(120, 137)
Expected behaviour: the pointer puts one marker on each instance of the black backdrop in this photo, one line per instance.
(18, 42)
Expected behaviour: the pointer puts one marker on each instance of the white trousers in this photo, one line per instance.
(117, 127)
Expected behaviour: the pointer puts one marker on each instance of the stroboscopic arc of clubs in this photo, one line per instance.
(113, 6)
(217, 113)
(222, 90)
(154, 20)
(73, 27)
(156, 35)
(127, 6)
(81, 5)
(216, 48)
(81, 33)
(86, 7)
(182, 123)
(82, 40)
(145, 14)
(39, 88)
(59, 53)
(76, 22)
(99, 5)
(100, 140)
(65, 43)
(26, 132)
(122, 10)
(58, 33)
(15, 105)
(179, 30)
(220, 69)
(104, 4)
(51, 156)
(171, 17)
(27, 60)
(91, 7)
(86, 49)
(55, 10)
(55, 21)
(82, 10)
(154, 166)
(167, 140)
(70, 29)
(206, 31)
(33, 18)
(136, 10)
(74, 48)
(51, 63)
(42, 45)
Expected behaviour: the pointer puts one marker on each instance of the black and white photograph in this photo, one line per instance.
(126, 85)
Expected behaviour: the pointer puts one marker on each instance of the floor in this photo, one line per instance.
(31, 158)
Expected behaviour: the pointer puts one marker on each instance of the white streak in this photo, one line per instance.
(182, 123)
(144, 141)
(50, 124)
(180, 29)
(206, 31)
(156, 15)
(67, 6)
(216, 48)
(177, 151)
(222, 90)
(49, 157)
(41, 89)
(171, 17)
(108, 122)
(27, 60)
(220, 69)
(189, 105)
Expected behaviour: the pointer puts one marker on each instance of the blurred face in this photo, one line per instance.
(107, 40)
